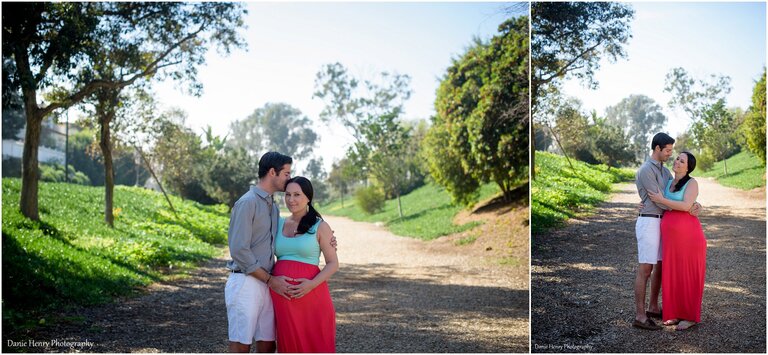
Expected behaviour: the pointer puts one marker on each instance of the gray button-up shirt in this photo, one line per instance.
(652, 176)
(252, 229)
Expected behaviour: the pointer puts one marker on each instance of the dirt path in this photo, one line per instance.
(582, 277)
(392, 294)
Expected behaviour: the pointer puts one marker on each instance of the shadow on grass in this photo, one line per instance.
(518, 197)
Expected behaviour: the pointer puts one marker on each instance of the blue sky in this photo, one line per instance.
(703, 38)
(289, 42)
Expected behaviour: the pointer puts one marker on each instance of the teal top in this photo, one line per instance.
(302, 248)
(677, 195)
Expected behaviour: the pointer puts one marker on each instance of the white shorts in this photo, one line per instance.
(648, 233)
(249, 309)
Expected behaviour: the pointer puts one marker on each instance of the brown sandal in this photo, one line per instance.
(648, 324)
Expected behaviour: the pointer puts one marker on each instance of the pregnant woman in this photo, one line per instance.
(684, 247)
(304, 317)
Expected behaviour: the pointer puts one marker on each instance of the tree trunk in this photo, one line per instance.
(109, 178)
(29, 167)
(533, 155)
(341, 189)
(399, 205)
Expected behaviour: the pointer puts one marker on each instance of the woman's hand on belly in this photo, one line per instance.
(303, 287)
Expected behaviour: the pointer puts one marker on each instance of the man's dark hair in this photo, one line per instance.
(272, 160)
(661, 140)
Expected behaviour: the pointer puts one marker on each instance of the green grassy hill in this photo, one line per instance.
(559, 192)
(745, 172)
(71, 257)
(427, 212)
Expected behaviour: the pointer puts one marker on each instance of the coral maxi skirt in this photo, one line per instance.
(684, 260)
(306, 324)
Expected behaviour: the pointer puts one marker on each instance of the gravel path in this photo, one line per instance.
(391, 294)
(582, 277)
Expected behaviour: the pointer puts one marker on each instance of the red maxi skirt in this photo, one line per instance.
(306, 324)
(684, 258)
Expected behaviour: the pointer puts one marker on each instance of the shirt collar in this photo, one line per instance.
(257, 190)
(656, 162)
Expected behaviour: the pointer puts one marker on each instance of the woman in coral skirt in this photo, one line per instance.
(305, 319)
(684, 248)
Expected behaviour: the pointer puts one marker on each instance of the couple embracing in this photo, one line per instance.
(287, 301)
(668, 232)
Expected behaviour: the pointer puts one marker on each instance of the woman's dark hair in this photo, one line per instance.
(691, 166)
(312, 215)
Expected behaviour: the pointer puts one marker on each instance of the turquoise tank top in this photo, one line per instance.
(302, 248)
(677, 195)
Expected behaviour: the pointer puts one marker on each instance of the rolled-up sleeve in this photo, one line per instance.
(240, 236)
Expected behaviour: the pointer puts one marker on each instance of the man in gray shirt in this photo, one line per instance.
(252, 228)
(652, 176)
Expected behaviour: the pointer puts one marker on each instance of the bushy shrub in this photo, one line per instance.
(370, 199)
(55, 173)
(11, 167)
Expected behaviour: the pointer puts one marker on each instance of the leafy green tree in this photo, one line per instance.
(226, 171)
(275, 127)
(383, 147)
(685, 142)
(716, 132)
(370, 112)
(229, 173)
(568, 39)
(572, 131)
(62, 44)
(703, 100)
(416, 167)
(480, 132)
(695, 96)
(342, 177)
(316, 173)
(754, 122)
(179, 155)
(13, 106)
(349, 103)
(610, 145)
(641, 118)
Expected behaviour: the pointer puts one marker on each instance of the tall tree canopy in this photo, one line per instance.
(754, 123)
(58, 50)
(480, 132)
(641, 117)
(371, 112)
(275, 127)
(568, 39)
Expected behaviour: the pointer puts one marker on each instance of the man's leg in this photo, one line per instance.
(653, 302)
(641, 281)
(235, 347)
(265, 346)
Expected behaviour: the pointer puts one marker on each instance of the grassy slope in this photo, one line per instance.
(427, 212)
(745, 172)
(71, 257)
(559, 193)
